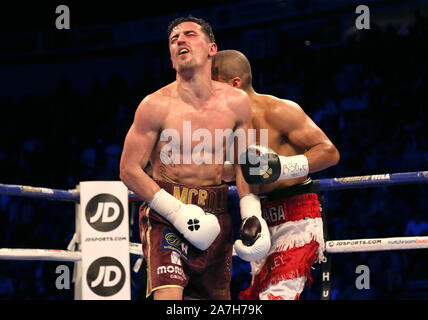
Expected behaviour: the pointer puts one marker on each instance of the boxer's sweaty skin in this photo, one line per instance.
(220, 113)
(290, 130)
(194, 104)
(193, 97)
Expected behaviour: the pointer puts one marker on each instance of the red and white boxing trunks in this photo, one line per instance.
(293, 215)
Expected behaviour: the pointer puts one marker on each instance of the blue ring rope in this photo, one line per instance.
(377, 180)
(40, 193)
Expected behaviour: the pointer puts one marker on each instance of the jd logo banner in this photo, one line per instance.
(106, 276)
(104, 212)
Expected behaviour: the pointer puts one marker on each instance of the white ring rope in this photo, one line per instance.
(377, 244)
(54, 254)
(40, 254)
(335, 246)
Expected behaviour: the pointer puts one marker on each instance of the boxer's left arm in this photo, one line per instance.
(255, 237)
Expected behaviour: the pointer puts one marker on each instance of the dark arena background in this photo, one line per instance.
(68, 97)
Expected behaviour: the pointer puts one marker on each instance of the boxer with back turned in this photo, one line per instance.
(277, 172)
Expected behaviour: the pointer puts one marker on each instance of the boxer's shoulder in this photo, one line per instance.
(239, 103)
(151, 113)
(277, 109)
(275, 105)
(224, 90)
(159, 101)
(165, 94)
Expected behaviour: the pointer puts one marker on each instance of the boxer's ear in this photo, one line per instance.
(236, 82)
(212, 49)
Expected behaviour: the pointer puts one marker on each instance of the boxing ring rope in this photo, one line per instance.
(40, 254)
(54, 254)
(376, 180)
(328, 184)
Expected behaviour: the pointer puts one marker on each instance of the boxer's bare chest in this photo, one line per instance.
(207, 125)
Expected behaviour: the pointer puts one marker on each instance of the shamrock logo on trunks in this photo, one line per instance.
(266, 172)
(193, 224)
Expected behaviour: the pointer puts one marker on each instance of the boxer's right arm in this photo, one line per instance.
(138, 146)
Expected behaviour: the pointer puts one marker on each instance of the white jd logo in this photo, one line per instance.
(108, 275)
(103, 211)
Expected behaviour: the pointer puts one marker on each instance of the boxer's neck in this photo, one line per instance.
(194, 88)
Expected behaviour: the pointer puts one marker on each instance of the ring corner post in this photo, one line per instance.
(104, 233)
(326, 264)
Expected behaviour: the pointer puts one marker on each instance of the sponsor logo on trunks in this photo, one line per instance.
(175, 258)
(175, 272)
(171, 241)
(104, 212)
(274, 214)
(187, 195)
(105, 276)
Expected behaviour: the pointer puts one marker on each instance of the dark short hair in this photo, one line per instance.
(206, 27)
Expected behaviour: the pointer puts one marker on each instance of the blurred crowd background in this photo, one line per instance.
(67, 105)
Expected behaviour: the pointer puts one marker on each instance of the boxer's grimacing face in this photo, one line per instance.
(189, 46)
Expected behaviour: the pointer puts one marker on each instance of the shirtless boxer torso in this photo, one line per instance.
(290, 206)
(181, 242)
